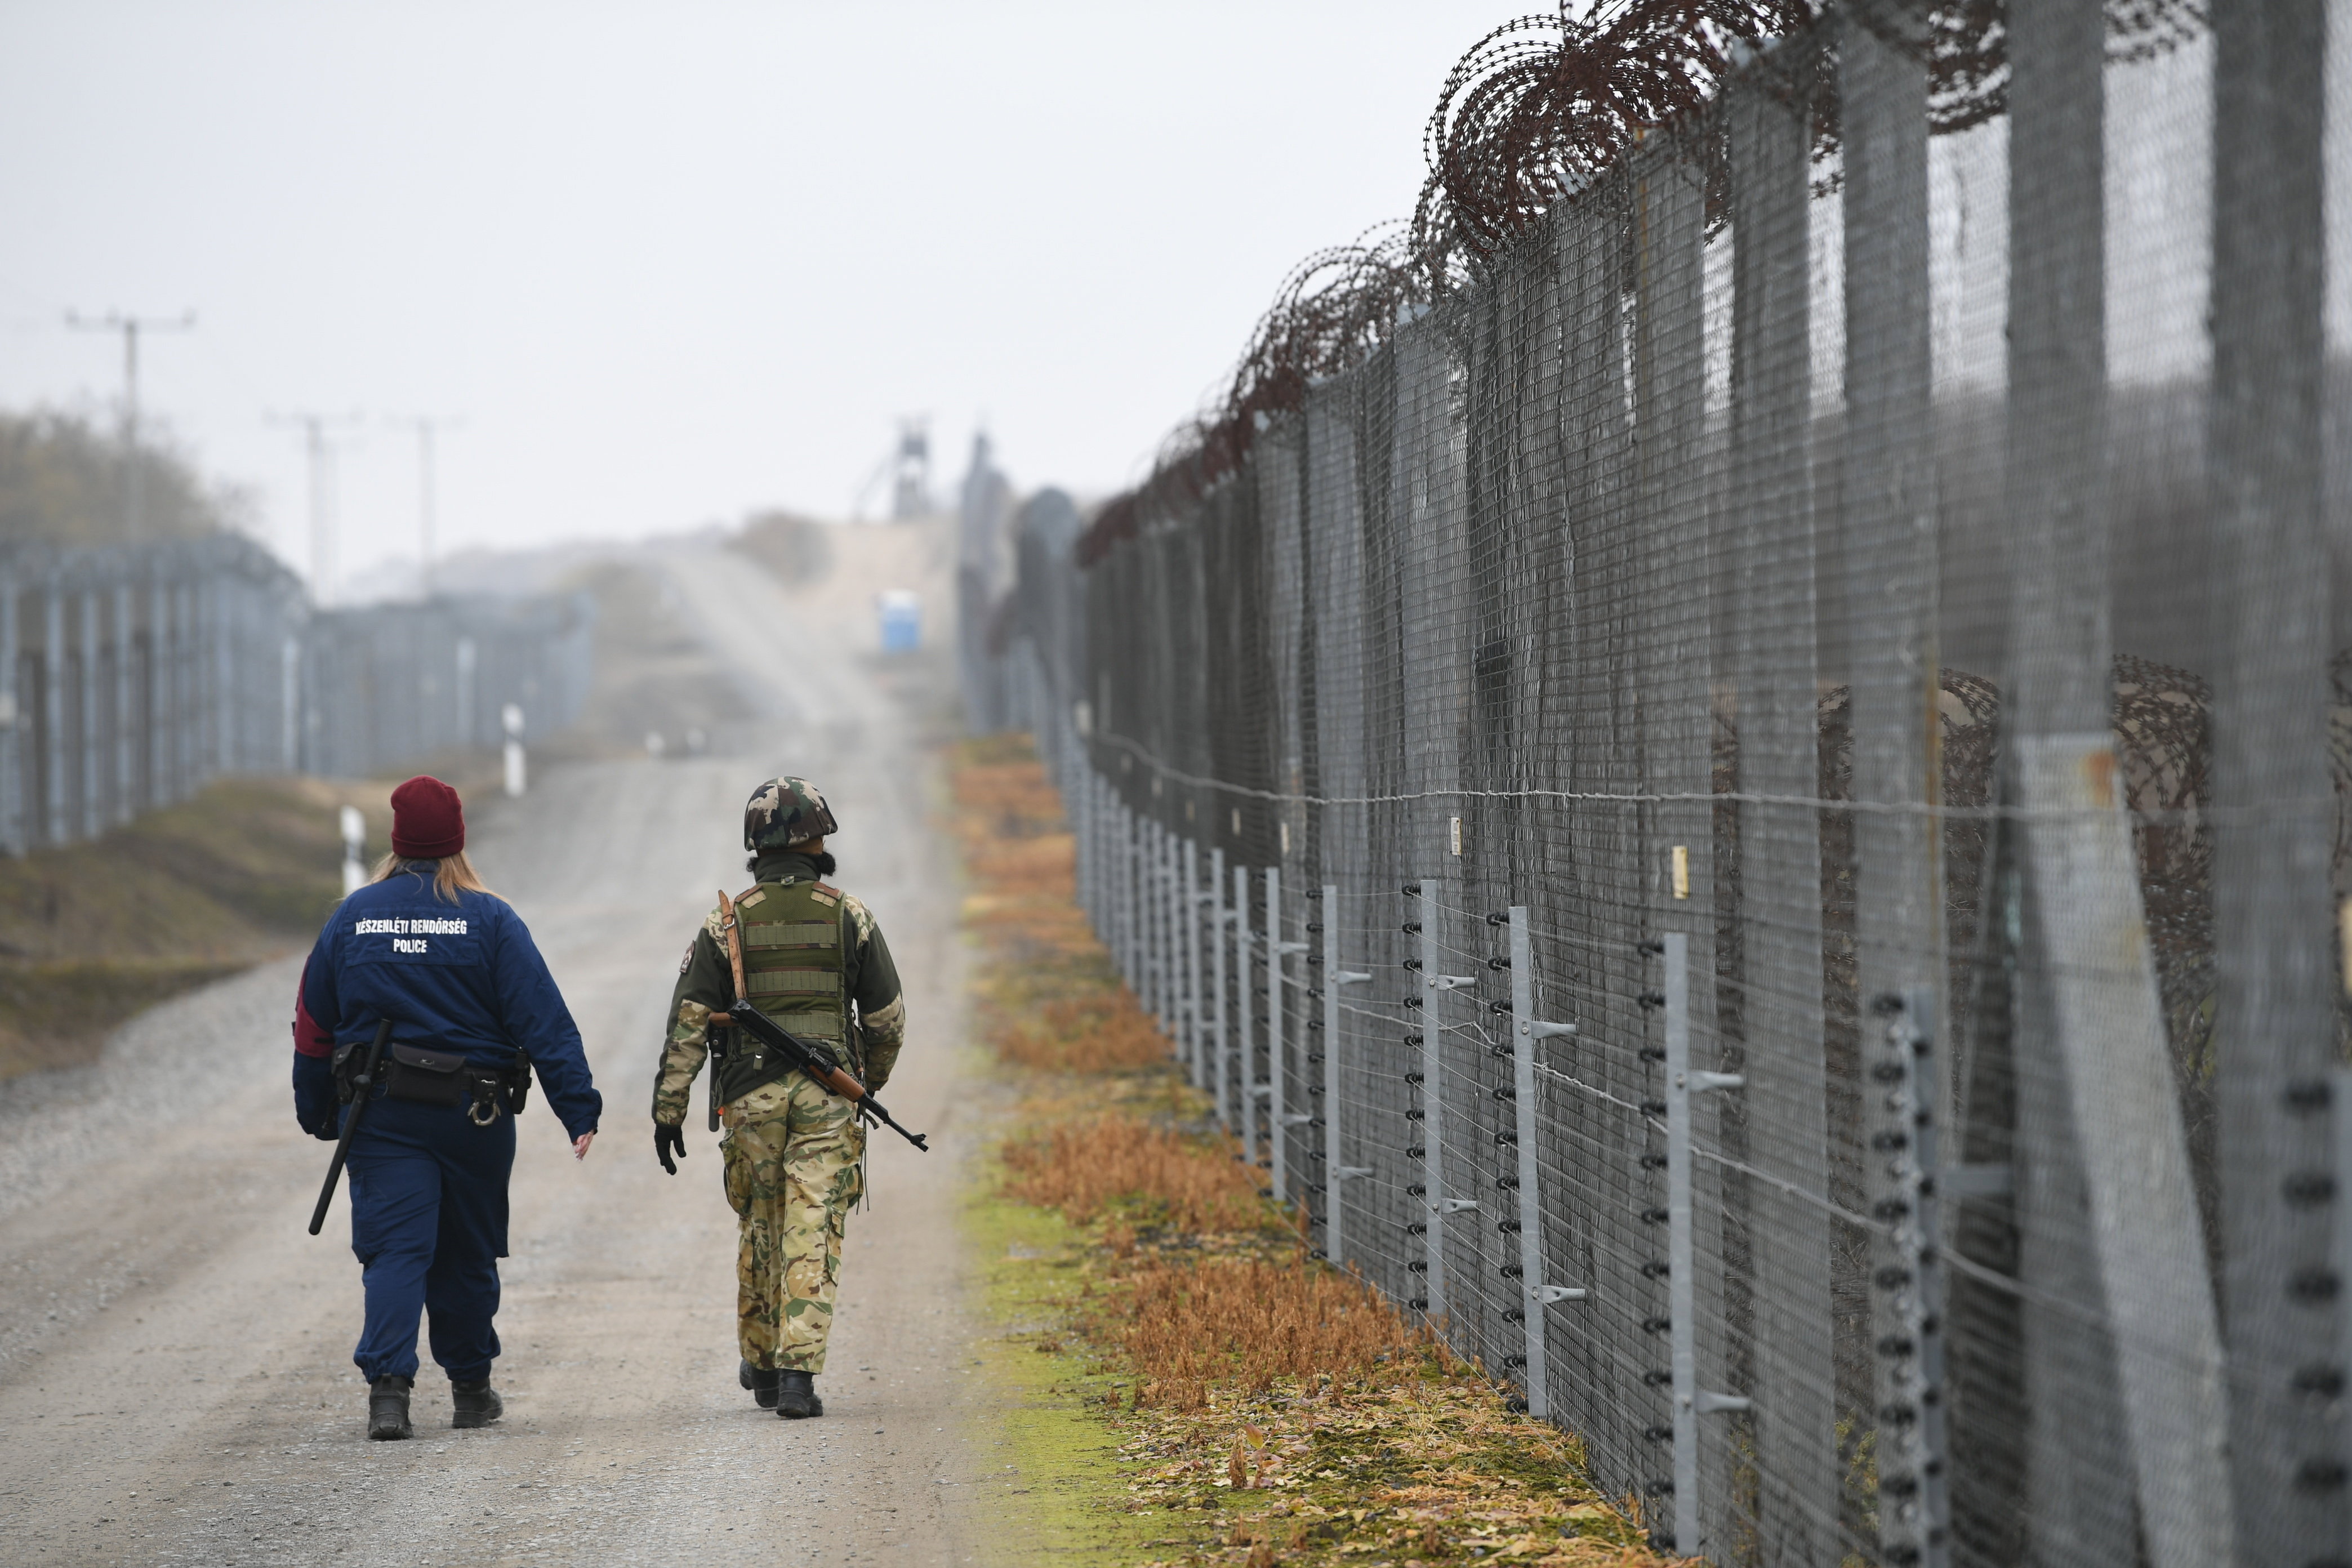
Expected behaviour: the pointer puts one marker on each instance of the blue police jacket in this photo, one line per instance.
(463, 976)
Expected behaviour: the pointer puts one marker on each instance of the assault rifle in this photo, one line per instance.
(815, 1059)
(811, 1057)
(363, 1089)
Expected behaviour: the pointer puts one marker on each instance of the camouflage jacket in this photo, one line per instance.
(706, 982)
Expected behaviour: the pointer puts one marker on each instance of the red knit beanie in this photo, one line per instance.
(427, 821)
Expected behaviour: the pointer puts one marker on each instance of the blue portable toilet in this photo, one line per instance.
(902, 620)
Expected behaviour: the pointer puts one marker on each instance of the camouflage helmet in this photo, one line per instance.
(785, 811)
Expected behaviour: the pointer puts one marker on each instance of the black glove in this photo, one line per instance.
(667, 1139)
(314, 1098)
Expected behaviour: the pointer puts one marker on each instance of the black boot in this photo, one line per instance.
(761, 1381)
(388, 1407)
(796, 1395)
(476, 1404)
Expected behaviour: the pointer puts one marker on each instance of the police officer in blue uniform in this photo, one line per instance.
(473, 1012)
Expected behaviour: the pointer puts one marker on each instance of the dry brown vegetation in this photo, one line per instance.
(1273, 1410)
(1252, 1322)
(1155, 1174)
(1082, 1034)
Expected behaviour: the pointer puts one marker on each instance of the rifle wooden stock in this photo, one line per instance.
(818, 1063)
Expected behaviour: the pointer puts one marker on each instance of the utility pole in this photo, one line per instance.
(134, 488)
(426, 425)
(321, 451)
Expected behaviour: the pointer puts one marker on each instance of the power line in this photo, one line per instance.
(426, 425)
(134, 490)
(321, 451)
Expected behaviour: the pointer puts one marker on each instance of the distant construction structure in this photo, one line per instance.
(910, 473)
(983, 577)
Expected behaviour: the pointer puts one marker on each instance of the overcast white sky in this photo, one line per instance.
(675, 261)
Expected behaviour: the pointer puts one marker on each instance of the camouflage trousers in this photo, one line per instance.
(792, 1176)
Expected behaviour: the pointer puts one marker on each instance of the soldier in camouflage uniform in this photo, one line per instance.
(793, 1150)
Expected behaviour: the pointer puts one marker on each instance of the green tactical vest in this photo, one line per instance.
(792, 972)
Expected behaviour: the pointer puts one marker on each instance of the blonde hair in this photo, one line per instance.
(451, 874)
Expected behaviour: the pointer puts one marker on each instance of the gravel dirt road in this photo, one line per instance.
(176, 1384)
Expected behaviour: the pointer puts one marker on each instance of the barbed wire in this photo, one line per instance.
(1534, 114)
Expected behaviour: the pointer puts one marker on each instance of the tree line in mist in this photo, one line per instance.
(66, 481)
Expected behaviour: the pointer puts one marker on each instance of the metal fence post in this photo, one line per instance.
(289, 704)
(1279, 1118)
(59, 826)
(1163, 932)
(1196, 1029)
(1914, 1486)
(93, 747)
(1098, 858)
(1334, 1173)
(1077, 802)
(1245, 1085)
(1114, 868)
(1188, 933)
(126, 790)
(1147, 888)
(1682, 1275)
(1280, 1046)
(1138, 912)
(166, 766)
(1535, 1295)
(1171, 947)
(225, 684)
(1132, 901)
(1219, 1038)
(1099, 808)
(1098, 852)
(1429, 1136)
(192, 689)
(14, 831)
(1179, 953)
(1277, 1124)
(1072, 784)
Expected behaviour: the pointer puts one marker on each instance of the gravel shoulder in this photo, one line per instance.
(175, 1372)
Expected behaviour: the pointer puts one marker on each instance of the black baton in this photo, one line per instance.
(363, 1086)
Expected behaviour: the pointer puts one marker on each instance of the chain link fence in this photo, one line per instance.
(1749, 812)
(134, 676)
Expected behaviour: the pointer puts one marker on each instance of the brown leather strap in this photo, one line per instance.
(734, 930)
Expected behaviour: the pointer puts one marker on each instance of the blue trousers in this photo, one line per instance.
(429, 1226)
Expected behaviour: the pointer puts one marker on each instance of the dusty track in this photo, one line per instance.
(174, 1376)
